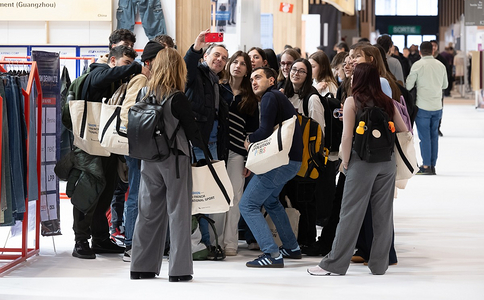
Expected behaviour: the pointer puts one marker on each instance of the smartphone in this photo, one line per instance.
(214, 37)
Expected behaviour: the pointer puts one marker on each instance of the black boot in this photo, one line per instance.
(142, 275)
(180, 278)
(106, 246)
(82, 250)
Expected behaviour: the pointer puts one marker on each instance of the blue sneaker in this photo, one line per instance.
(286, 253)
(266, 261)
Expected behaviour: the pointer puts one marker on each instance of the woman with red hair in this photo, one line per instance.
(366, 182)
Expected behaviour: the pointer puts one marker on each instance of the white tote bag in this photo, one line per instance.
(293, 216)
(112, 133)
(405, 157)
(273, 151)
(207, 196)
(85, 116)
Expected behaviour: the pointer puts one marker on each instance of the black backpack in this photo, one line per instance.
(374, 138)
(147, 137)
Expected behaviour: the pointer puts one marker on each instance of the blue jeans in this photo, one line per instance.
(131, 205)
(428, 133)
(212, 147)
(151, 14)
(263, 190)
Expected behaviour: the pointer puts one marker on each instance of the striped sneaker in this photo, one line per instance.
(294, 254)
(266, 261)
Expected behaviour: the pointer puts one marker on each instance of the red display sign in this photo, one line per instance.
(286, 7)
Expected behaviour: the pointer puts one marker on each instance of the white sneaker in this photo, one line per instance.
(318, 271)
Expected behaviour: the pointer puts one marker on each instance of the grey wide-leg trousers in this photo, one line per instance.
(164, 198)
(365, 182)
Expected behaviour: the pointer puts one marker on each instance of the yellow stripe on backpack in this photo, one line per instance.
(313, 154)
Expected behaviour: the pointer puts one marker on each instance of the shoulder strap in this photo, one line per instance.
(306, 100)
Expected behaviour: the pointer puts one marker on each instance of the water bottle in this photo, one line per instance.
(361, 128)
(70, 96)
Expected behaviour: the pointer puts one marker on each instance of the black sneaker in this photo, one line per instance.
(107, 246)
(287, 253)
(425, 171)
(315, 249)
(82, 250)
(266, 261)
(432, 168)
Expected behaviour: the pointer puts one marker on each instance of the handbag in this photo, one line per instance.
(85, 117)
(212, 189)
(112, 134)
(405, 156)
(272, 152)
(293, 216)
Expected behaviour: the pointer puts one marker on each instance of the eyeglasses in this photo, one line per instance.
(300, 71)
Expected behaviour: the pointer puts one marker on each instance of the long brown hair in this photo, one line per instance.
(372, 51)
(325, 72)
(249, 103)
(168, 73)
(367, 88)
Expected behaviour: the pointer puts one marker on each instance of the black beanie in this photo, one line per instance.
(150, 50)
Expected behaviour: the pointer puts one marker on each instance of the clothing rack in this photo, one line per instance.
(19, 255)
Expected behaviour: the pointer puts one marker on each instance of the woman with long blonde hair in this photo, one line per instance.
(165, 192)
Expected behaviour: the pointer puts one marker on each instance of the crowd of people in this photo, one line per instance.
(226, 102)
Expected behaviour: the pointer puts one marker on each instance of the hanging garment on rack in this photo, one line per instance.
(32, 159)
(6, 193)
(66, 138)
(151, 14)
(17, 142)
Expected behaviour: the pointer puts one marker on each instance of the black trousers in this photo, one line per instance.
(94, 223)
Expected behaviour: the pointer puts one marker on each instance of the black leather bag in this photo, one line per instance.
(147, 138)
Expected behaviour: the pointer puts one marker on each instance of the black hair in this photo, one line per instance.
(121, 51)
(385, 41)
(272, 59)
(344, 46)
(426, 48)
(121, 35)
(269, 72)
(306, 86)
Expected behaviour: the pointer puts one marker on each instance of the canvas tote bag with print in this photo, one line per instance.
(272, 152)
(85, 116)
(112, 134)
(405, 156)
(212, 190)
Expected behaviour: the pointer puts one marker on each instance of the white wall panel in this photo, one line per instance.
(25, 33)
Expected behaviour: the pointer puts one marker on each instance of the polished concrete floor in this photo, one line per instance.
(439, 239)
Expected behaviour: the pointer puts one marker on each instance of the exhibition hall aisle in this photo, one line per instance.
(439, 239)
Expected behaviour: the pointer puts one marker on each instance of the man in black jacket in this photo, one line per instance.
(102, 81)
(211, 112)
(202, 89)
